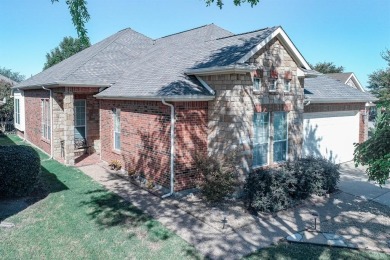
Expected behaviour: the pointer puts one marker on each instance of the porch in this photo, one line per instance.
(75, 124)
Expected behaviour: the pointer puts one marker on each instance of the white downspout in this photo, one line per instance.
(172, 148)
(51, 121)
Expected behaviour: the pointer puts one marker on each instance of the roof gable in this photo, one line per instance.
(346, 77)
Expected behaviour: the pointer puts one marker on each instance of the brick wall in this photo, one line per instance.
(145, 138)
(33, 129)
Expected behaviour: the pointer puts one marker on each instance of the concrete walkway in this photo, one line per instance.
(233, 234)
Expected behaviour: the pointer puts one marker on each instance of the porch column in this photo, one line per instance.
(69, 128)
(58, 125)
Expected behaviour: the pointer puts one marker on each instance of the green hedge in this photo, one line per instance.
(20, 170)
(271, 190)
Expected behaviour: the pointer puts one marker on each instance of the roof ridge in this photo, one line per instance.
(238, 34)
(120, 33)
(169, 35)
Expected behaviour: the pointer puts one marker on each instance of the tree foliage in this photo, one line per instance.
(327, 67)
(15, 76)
(375, 152)
(220, 3)
(379, 82)
(80, 16)
(67, 47)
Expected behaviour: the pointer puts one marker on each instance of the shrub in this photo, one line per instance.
(219, 176)
(115, 165)
(314, 176)
(269, 190)
(19, 171)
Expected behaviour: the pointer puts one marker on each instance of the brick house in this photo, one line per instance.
(151, 103)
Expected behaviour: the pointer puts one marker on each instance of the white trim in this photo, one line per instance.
(268, 141)
(114, 130)
(204, 84)
(355, 81)
(158, 98)
(282, 36)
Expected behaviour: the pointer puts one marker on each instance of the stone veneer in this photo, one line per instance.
(231, 113)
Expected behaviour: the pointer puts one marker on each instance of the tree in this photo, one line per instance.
(327, 67)
(15, 76)
(375, 152)
(67, 47)
(379, 82)
(80, 16)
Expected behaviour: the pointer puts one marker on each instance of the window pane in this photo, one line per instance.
(256, 84)
(260, 154)
(280, 151)
(79, 132)
(117, 141)
(261, 137)
(280, 126)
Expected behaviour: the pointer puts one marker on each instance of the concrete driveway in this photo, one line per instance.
(354, 181)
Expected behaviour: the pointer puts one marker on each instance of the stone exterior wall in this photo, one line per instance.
(145, 139)
(33, 118)
(231, 113)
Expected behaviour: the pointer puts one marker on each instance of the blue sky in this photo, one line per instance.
(351, 33)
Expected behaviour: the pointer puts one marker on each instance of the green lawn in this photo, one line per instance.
(79, 219)
(308, 252)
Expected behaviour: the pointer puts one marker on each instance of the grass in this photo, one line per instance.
(79, 219)
(307, 251)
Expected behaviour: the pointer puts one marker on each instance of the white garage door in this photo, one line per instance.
(331, 134)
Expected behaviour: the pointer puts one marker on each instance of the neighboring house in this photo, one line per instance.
(347, 78)
(153, 103)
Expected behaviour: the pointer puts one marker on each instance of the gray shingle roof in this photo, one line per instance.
(4, 78)
(342, 77)
(142, 67)
(327, 90)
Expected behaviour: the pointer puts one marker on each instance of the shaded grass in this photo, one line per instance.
(79, 219)
(308, 251)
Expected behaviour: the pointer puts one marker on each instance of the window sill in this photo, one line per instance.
(116, 151)
(43, 139)
(257, 92)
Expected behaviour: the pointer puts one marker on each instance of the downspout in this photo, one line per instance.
(172, 159)
(51, 122)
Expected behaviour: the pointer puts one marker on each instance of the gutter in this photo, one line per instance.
(319, 101)
(159, 98)
(172, 159)
(62, 84)
(51, 122)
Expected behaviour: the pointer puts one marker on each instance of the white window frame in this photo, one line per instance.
(46, 117)
(288, 81)
(273, 82)
(256, 89)
(268, 141)
(17, 111)
(85, 113)
(282, 140)
(117, 129)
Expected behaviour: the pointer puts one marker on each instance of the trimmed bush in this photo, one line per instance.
(314, 176)
(218, 176)
(20, 170)
(270, 190)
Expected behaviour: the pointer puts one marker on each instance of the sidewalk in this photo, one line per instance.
(364, 224)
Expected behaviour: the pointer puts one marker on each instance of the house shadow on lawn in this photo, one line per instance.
(49, 184)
